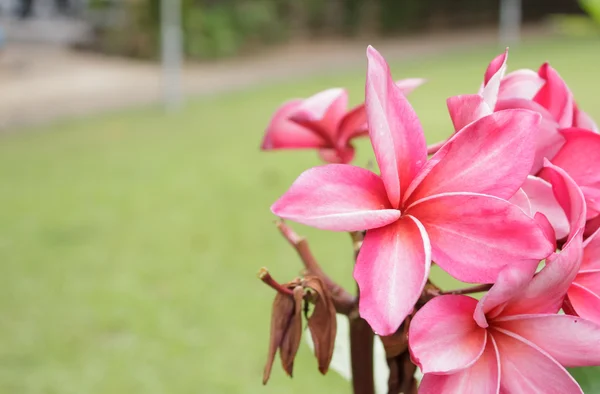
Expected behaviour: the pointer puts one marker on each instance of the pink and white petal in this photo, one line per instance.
(407, 85)
(391, 271)
(542, 200)
(590, 280)
(570, 340)
(555, 96)
(569, 196)
(474, 236)
(493, 76)
(592, 199)
(583, 120)
(521, 200)
(511, 282)
(481, 378)
(443, 336)
(549, 140)
(546, 227)
(547, 290)
(580, 158)
(282, 133)
(492, 155)
(337, 197)
(395, 130)
(585, 302)
(591, 252)
(354, 123)
(495, 67)
(528, 369)
(520, 84)
(323, 110)
(341, 155)
(467, 108)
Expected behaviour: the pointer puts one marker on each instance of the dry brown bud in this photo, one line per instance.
(322, 323)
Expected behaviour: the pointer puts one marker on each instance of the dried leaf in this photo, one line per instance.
(282, 312)
(293, 334)
(322, 323)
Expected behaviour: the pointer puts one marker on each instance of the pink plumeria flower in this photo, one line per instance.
(536, 197)
(323, 122)
(580, 158)
(512, 341)
(451, 208)
(544, 92)
(583, 297)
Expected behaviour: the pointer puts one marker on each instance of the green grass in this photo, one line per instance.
(129, 243)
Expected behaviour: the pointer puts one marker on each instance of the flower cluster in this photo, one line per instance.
(511, 200)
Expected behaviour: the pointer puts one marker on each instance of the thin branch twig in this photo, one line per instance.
(468, 290)
(344, 302)
(266, 277)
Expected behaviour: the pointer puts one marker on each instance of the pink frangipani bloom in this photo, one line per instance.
(322, 122)
(583, 297)
(580, 158)
(544, 92)
(512, 341)
(451, 208)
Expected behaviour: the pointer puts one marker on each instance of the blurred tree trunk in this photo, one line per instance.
(334, 12)
(370, 17)
(298, 18)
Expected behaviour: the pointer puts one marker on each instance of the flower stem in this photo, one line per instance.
(468, 290)
(344, 302)
(266, 277)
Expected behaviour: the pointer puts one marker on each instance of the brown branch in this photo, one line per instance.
(265, 276)
(361, 356)
(344, 302)
(467, 290)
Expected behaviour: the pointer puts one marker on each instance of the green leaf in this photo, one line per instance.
(588, 378)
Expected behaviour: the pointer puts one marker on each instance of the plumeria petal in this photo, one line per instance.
(591, 252)
(520, 84)
(341, 155)
(528, 369)
(585, 302)
(546, 291)
(555, 96)
(492, 155)
(467, 108)
(546, 227)
(521, 200)
(474, 236)
(549, 140)
(394, 128)
(572, 341)
(569, 196)
(511, 282)
(391, 271)
(282, 133)
(481, 378)
(493, 76)
(323, 112)
(354, 123)
(337, 197)
(444, 337)
(542, 200)
(578, 158)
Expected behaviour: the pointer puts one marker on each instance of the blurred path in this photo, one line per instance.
(39, 84)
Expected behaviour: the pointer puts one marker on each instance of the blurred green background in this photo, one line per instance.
(130, 242)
